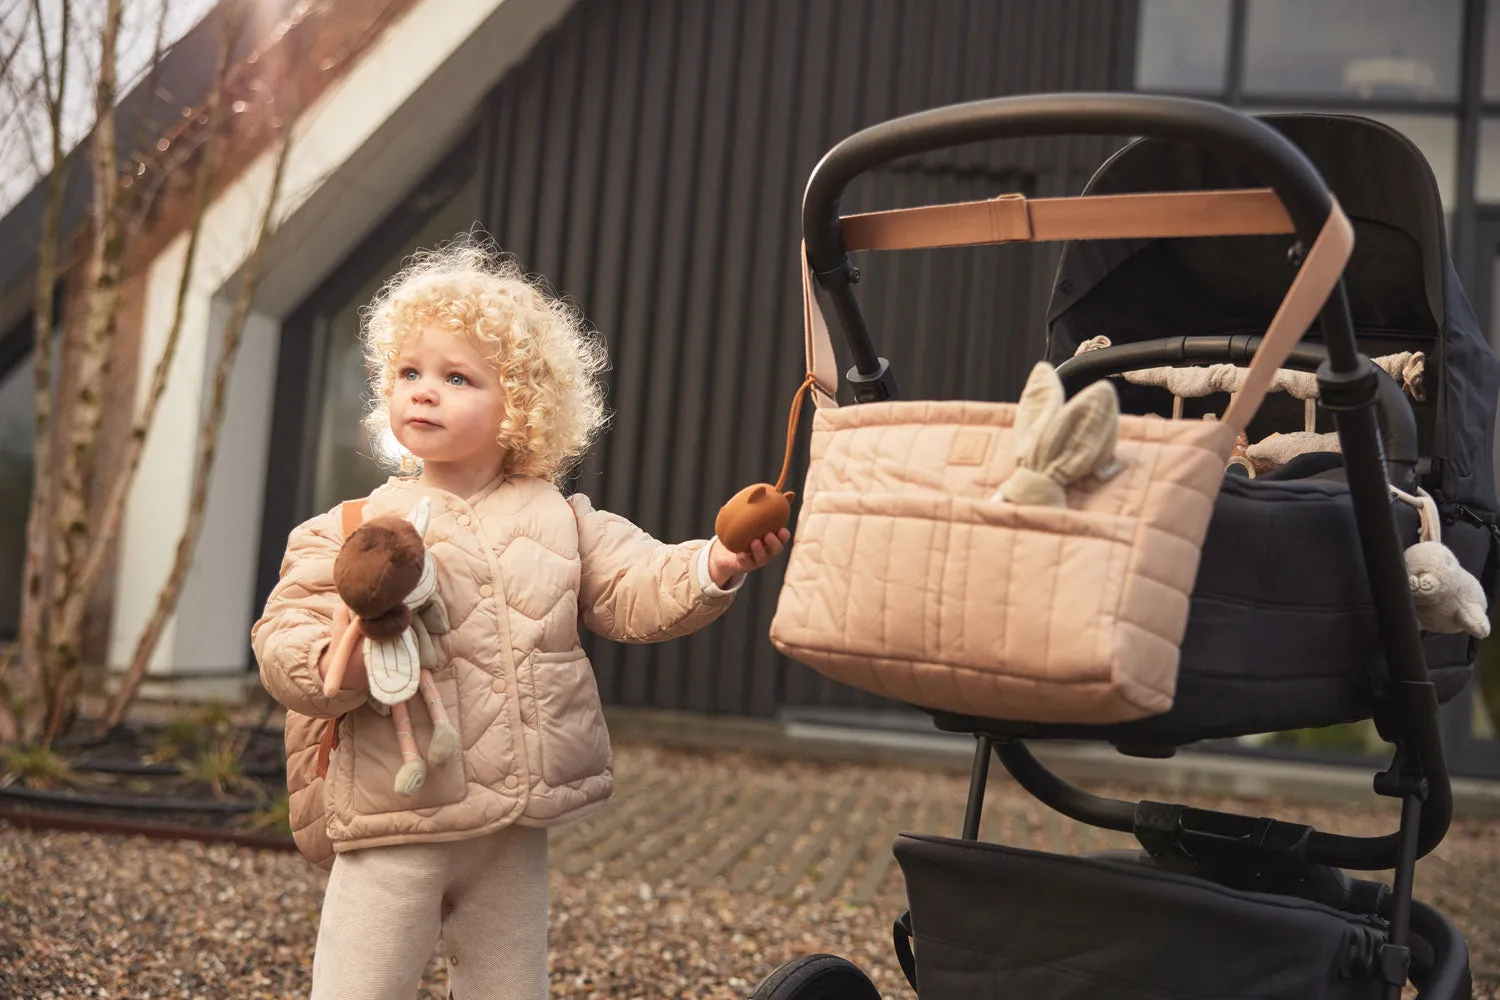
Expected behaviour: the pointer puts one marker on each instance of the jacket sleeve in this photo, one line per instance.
(637, 589)
(297, 624)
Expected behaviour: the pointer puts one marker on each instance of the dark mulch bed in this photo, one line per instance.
(163, 774)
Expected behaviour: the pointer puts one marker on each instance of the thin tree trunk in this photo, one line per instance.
(79, 457)
(208, 439)
(21, 722)
(108, 519)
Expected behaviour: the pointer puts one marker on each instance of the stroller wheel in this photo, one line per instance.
(817, 977)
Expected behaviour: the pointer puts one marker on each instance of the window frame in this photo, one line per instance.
(303, 356)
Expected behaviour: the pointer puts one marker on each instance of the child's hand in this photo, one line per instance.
(724, 566)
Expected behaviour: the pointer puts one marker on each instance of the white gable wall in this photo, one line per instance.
(355, 153)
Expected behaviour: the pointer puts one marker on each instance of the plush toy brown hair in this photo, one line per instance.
(385, 576)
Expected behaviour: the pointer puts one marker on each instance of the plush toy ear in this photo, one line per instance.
(1040, 401)
(1081, 438)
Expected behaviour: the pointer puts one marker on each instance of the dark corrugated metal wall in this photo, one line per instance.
(650, 158)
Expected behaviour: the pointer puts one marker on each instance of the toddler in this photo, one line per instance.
(485, 393)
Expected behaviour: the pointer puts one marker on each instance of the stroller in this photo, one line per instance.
(1315, 630)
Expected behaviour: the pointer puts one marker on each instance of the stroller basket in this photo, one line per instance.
(993, 922)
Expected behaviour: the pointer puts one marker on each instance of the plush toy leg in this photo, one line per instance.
(444, 736)
(414, 771)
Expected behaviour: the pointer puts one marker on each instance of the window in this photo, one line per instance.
(1183, 45)
(1354, 49)
(17, 433)
(346, 466)
(1396, 61)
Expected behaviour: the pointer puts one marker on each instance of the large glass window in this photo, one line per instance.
(1359, 49)
(1396, 61)
(1183, 45)
(17, 462)
(346, 463)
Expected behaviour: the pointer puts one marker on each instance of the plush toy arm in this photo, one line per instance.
(295, 632)
(338, 659)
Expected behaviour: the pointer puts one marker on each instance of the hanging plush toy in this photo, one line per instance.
(385, 575)
(1447, 597)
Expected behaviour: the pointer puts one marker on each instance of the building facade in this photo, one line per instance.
(648, 158)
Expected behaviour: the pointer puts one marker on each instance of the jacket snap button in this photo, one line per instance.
(511, 781)
(499, 685)
(463, 519)
(485, 590)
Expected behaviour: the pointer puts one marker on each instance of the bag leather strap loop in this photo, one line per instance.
(1014, 218)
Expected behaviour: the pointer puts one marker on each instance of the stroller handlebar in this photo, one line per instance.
(1278, 163)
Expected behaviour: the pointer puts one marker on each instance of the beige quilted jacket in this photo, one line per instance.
(519, 567)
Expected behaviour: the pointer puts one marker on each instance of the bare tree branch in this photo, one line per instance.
(109, 517)
(208, 440)
(70, 521)
(33, 624)
(10, 57)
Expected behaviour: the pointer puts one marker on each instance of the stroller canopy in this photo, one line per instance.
(1403, 292)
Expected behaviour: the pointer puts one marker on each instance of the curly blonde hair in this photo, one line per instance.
(547, 359)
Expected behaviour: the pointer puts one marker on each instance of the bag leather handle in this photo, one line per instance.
(1013, 218)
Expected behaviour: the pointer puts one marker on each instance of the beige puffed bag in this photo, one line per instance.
(1028, 561)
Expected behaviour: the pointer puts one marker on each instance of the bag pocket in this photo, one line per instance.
(962, 582)
(572, 737)
(370, 739)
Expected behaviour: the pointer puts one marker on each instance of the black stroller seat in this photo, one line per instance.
(1300, 615)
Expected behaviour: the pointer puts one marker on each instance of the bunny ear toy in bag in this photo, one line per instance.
(1032, 560)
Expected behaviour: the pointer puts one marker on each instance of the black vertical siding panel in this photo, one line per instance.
(772, 303)
(827, 37)
(555, 164)
(527, 139)
(500, 158)
(607, 291)
(634, 365)
(752, 121)
(675, 389)
(692, 502)
(593, 159)
(864, 96)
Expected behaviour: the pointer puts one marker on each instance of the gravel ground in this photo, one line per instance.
(711, 870)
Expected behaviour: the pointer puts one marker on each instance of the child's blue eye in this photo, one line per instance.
(408, 374)
(457, 379)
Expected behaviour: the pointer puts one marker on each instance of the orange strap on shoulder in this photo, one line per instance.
(353, 514)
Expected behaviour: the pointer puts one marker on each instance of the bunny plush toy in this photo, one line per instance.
(1060, 440)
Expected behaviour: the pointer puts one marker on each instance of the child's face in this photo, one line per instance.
(447, 402)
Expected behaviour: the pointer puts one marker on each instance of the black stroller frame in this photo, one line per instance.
(1377, 438)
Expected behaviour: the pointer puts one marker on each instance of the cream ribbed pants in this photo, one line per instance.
(386, 907)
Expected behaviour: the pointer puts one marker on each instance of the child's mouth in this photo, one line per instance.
(423, 422)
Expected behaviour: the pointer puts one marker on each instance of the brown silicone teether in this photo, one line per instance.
(762, 509)
(754, 512)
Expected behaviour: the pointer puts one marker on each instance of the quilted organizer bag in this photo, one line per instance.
(1028, 561)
